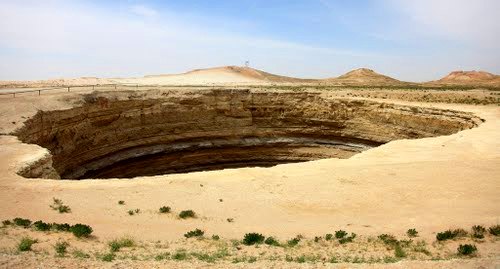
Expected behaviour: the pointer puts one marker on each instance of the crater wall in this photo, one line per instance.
(151, 135)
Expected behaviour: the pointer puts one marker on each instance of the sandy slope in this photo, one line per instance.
(429, 184)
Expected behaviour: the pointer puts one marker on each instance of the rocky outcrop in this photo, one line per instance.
(150, 135)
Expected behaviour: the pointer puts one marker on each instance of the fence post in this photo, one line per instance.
(39, 91)
(68, 89)
(14, 94)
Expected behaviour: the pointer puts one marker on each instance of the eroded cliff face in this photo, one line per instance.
(141, 136)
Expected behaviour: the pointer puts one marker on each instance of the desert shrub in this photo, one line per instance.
(162, 256)
(347, 239)
(271, 241)
(215, 237)
(165, 209)
(121, 202)
(230, 220)
(399, 252)
(61, 227)
(137, 211)
(26, 243)
(131, 212)
(466, 249)
(317, 239)
(81, 230)
(412, 232)
(59, 206)
(495, 230)
(41, 226)
(450, 234)
(478, 231)
(22, 222)
(194, 233)
(340, 234)
(293, 242)
(328, 237)
(61, 248)
(117, 244)
(108, 257)
(6, 222)
(187, 214)
(80, 254)
(253, 238)
(180, 255)
(388, 239)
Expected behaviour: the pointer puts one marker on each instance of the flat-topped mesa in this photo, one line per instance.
(128, 136)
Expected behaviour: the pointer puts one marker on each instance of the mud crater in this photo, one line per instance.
(123, 135)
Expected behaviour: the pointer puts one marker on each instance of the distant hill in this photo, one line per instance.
(364, 76)
(480, 78)
(225, 74)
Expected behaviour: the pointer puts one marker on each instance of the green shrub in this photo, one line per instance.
(61, 248)
(180, 255)
(399, 252)
(59, 206)
(22, 222)
(412, 232)
(26, 243)
(388, 239)
(293, 242)
(41, 226)
(194, 233)
(495, 230)
(117, 244)
(328, 237)
(450, 234)
(187, 214)
(61, 227)
(162, 256)
(340, 234)
(215, 237)
(466, 249)
(80, 254)
(109, 257)
(253, 238)
(121, 202)
(81, 230)
(271, 241)
(478, 231)
(165, 209)
(347, 239)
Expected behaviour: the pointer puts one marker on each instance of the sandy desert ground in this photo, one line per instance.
(431, 184)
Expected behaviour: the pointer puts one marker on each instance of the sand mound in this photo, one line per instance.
(469, 78)
(216, 75)
(363, 76)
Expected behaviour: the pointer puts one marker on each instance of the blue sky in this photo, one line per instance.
(410, 40)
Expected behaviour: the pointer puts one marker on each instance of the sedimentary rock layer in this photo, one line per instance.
(110, 137)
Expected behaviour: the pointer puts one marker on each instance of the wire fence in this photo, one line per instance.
(18, 91)
(13, 92)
